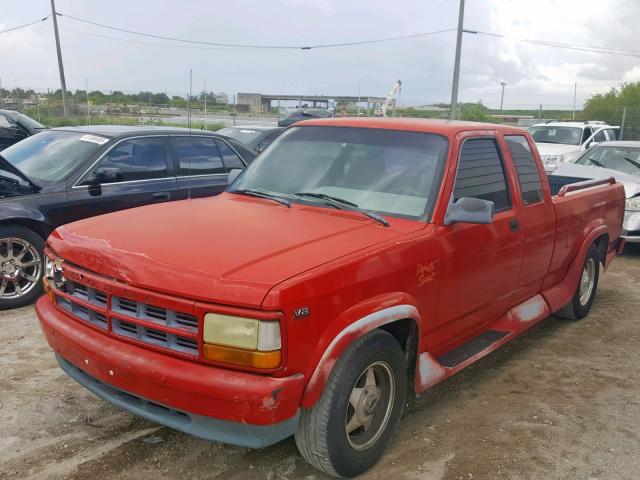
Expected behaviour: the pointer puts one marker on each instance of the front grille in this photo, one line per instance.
(173, 330)
(87, 294)
(151, 313)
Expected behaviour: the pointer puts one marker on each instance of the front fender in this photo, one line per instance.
(16, 213)
(352, 324)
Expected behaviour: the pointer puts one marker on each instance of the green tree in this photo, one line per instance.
(609, 107)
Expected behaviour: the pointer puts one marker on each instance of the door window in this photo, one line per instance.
(5, 123)
(135, 159)
(481, 173)
(229, 156)
(526, 169)
(586, 133)
(611, 134)
(198, 156)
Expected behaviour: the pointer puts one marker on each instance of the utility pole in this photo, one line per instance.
(504, 84)
(189, 97)
(63, 83)
(456, 66)
(205, 100)
(1, 101)
(86, 81)
(575, 91)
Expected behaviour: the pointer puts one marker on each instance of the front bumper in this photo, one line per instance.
(213, 403)
(631, 227)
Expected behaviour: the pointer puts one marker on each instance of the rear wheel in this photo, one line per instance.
(349, 428)
(585, 293)
(21, 265)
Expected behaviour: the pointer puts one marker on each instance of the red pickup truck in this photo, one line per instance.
(353, 258)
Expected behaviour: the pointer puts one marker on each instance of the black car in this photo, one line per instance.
(16, 126)
(66, 174)
(257, 138)
(300, 115)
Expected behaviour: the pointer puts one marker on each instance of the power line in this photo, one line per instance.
(256, 46)
(25, 25)
(567, 46)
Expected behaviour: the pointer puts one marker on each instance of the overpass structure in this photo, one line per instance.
(259, 102)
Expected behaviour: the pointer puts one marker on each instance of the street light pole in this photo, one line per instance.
(456, 66)
(504, 84)
(63, 83)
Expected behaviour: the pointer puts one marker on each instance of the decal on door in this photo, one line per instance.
(426, 273)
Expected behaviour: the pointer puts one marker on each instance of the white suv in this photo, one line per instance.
(561, 142)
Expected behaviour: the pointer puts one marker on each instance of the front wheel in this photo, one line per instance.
(585, 294)
(349, 428)
(21, 265)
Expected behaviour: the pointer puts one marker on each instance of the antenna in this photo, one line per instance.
(189, 117)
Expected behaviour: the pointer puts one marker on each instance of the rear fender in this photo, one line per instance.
(352, 324)
(562, 293)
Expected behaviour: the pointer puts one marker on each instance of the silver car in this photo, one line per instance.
(620, 160)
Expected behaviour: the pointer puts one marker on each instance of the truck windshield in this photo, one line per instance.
(563, 135)
(52, 155)
(391, 172)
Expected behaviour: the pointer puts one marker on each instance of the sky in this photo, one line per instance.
(534, 74)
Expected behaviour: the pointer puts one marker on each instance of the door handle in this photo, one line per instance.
(514, 225)
(161, 196)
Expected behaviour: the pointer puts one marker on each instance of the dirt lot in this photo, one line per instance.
(562, 401)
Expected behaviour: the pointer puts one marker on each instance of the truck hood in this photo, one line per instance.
(557, 149)
(227, 249)
(631, 183)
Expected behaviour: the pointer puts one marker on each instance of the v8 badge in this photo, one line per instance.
(301, 312)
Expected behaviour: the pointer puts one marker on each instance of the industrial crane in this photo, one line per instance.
(382, 110)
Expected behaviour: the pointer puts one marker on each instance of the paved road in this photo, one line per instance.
(560, 402)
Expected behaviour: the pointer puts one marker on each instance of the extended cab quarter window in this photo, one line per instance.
(528, 175)
(198, 156)
(481, 174)
(135, 159)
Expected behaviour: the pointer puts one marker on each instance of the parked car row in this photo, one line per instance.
(354, 258)
(66, 174)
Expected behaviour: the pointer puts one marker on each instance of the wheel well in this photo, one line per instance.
(602, 244)
(32, 225)
(405, 331)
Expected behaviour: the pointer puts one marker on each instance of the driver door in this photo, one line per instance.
(481, 262)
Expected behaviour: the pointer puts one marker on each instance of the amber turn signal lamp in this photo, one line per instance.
(245, 358)
(48, 290)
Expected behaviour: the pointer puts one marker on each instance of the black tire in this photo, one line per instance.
(10, 296)
(580, 304)
(322, 436)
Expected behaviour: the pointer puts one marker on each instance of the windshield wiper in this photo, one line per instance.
(632, 162)
(261, 194)
(13, 181)
(341, 203)
(596, 163)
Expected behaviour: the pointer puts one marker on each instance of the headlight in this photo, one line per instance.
(632, 204)
(242, 341)
(551, 160)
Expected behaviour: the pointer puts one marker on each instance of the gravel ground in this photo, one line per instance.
(560, 402)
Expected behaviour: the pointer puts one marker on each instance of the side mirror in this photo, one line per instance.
(592, 144)
(469, 210)
(233, 174)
